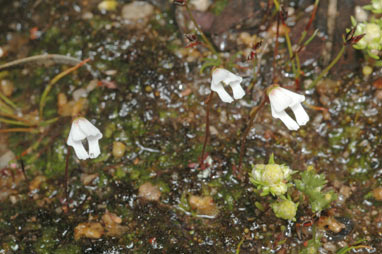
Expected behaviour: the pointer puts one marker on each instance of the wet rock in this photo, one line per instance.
(119, 149)
(203, 205)
(92, 230)
(149, 192)
(224, 28)
(137, 10)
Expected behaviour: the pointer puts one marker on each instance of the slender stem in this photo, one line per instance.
(54, 81)
(206, 41)
(8, 101)
(327, 69)
(18, 130)
(276, 47)
(289, 44)
(23, 168)
(7, 121)
(253, 114)
(66, 176)
(207, 131)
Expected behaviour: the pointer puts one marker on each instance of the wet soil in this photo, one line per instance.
(152, 100)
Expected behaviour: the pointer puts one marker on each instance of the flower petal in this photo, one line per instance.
(286, 119)
(94, 150)
(88, 128)
(295, 97)
(75, 132)
(238, 91)
(224, 96)
(79, 149)
(279, 100)
(222, 75)
(301, 116)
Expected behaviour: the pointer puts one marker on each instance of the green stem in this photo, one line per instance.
(327, 69)
(289, 44)
(8, 101)
(7, 121)
(206, 41)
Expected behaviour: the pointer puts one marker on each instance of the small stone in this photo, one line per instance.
(87, 179)
(36, 182)
(378, 83)
(149, 192)
(200, 5)
(61, 100)
(108, 5)
(367, 70)
(6, 87)
(377, 193)
(137, 10)
(378, 95)
(79, 93)
(203, 205)
(92, 230)
(119, 149)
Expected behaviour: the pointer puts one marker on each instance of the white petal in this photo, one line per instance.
(295, 97)
(279, 100)
(238, 91)
(88, 128)
(286, 119)
(224, 96)
(222, 75)
(94, 150)
(75, 132)
(301, 116)
(79, 149)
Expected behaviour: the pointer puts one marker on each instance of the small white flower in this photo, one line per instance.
(83, 129)
(281, 99)
(222, 76)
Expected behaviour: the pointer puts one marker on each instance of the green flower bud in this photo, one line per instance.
(285, 209)
(271, 178)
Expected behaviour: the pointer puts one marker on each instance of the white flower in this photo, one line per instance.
(222, 76)
(281, 99)
(83, 129)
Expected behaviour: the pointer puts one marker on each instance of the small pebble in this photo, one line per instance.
(137, 10)
(36, 182)
(377, 193)
(203, 205)
(6, 87)
(92, 230)
(108, 5)
(149, 192)
(200, 5)
(119, 149)
(367, 70)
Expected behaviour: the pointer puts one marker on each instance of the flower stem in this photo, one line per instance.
(327, 69)
(207, 131)
(54, 81)
(204, 37)
(253, 114)
(66, 176)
